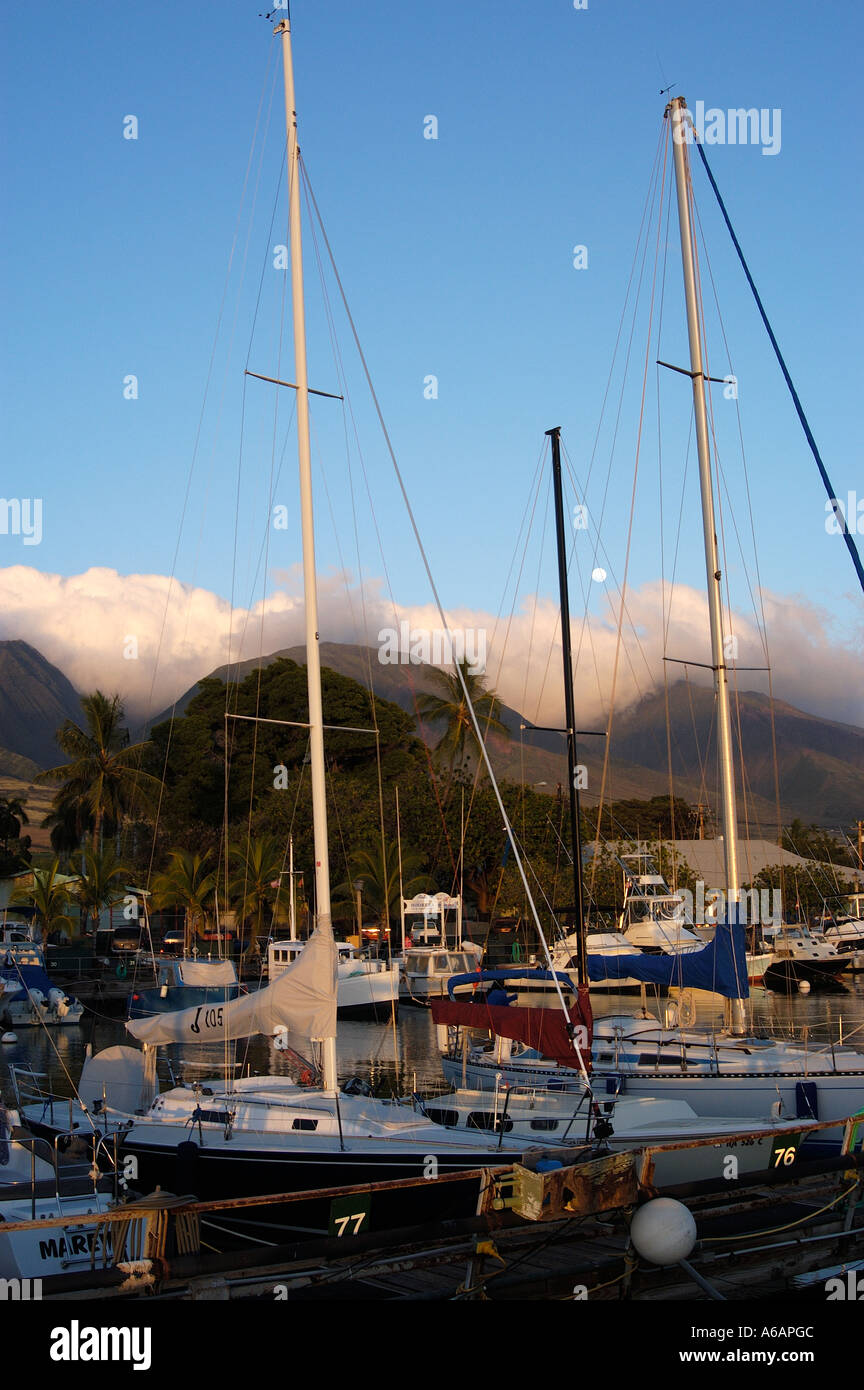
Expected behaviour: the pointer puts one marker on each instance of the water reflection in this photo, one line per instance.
(406, 1059)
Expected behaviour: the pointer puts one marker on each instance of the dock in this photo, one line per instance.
(554, 1235)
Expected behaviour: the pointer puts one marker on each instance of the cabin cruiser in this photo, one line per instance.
(844, 930)
(653, 918)
(434, 946)
(29, 998)
(367, 988)
(797, 956)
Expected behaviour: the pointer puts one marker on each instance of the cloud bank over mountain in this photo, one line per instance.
(150, 638)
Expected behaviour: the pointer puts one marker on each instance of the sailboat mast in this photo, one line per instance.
(569, 707)
(310, 588)
(680, 120)
(292, 911)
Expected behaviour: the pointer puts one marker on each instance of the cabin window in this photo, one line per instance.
(666, 1059)
(212, 1117)
(544, 1124)
(304, 1124)
(485, 1119)
(443, 965)
(450, 1118)
(419, 964)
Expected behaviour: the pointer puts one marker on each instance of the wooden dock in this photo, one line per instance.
(555, 1236)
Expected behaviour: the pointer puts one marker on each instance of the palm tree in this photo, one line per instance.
(190, 883)
(450, 707)
(379, 870)
(50, 897)
(103, 877)
(257, 867)
(12, 817)
(67, 825)
(103, 780)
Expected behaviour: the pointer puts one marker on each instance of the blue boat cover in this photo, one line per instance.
(30, 976)
(720, 966)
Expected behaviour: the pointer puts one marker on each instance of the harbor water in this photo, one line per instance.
(401, 1059)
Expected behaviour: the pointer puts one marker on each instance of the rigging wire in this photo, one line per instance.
(442, 615)
(832, 495)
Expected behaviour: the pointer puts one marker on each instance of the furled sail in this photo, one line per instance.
(544, 1029)
(302, 1000)
(721, 966)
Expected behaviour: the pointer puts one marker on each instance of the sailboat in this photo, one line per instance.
(269, 1133)
(733, 1072)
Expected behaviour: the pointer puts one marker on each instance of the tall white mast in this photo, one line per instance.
(680, 125)
(310, 589)
(292, 911)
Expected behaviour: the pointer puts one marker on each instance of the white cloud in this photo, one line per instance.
(83, 624)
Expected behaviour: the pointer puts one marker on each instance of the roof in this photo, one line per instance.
(705, 858)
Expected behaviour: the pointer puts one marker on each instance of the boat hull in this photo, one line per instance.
(220, 1169)
(757, 1095)
(788, 973)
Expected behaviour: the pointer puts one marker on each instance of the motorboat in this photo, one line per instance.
(29, 998)
(183, 982)
(435, 946)
(797, 956)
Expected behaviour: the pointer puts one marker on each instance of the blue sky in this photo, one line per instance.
(457, 259)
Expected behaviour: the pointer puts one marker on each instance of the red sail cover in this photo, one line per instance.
(543, 1029)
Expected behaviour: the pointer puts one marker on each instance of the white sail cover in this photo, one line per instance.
(302, 1000)
(208, 973)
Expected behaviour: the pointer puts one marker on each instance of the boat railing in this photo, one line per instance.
(52, 1153)
(28, 1091)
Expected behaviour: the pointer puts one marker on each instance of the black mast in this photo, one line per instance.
(569, 709)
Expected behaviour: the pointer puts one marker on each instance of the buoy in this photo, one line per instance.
(663, 1231)
(9, 1038)
(804, 986)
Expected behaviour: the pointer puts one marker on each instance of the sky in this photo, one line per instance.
(139, 281)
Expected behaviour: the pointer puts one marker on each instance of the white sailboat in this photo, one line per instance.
(731, 1072)
(269, 1133)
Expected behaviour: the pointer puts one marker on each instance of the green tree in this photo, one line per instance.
(257, 865)
(14, 850)
(812, 842)
(378, 868)
(449, 706)
(189, 883)
(805, 890)
(50, 897)
(101, 882)
(102, 783)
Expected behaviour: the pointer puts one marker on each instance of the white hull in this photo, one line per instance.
(725, 1094)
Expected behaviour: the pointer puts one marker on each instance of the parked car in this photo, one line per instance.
(173, 942)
